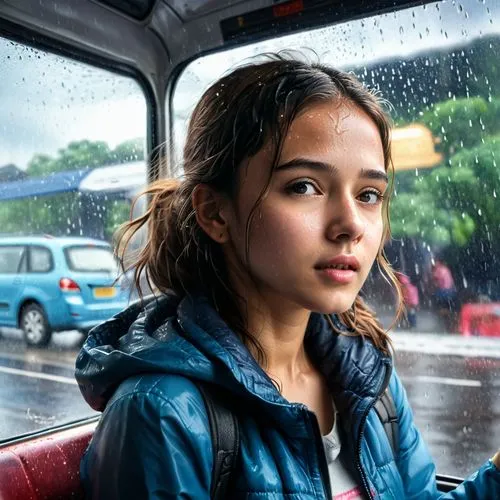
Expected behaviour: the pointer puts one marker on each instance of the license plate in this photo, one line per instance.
(104, 292)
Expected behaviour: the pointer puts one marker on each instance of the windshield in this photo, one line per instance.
(88, 259)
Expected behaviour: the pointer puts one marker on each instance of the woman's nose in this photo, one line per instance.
(345, 222)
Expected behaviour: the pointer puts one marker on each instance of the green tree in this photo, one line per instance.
(462, 123)
(41, 165)
(84, 154)
(56, 215)
(118, 211)
(415, 215)
(453, 202)
(131, 150)
(76, 155)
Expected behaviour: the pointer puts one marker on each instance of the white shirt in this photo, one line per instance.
(344, 486)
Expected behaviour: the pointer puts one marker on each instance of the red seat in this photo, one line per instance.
(44, 468)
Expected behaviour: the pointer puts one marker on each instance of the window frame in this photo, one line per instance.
(445, 482)
(376, 7)
(32, 38)
(23, 35)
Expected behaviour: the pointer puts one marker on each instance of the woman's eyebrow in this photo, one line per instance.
(374, 174)
(305, 163)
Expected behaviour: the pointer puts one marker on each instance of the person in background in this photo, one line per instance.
(410, 298)
(445, 293)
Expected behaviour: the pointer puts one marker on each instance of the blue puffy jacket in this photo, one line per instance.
(153, 439)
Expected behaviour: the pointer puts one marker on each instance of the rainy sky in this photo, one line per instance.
(48, 101)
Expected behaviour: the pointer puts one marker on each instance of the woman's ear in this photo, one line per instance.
(209, 206)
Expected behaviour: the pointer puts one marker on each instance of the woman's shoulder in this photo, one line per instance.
(161, 392)
(154, 426)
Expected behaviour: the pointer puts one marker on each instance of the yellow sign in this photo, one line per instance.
(413, 147)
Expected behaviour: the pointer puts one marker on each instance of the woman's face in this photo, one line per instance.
(316, 234)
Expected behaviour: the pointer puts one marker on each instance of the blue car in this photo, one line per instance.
(52, 284)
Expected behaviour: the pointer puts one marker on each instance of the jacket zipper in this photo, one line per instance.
(323, 467)
(385, 383)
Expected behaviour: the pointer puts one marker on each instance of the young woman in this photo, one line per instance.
(259, 254)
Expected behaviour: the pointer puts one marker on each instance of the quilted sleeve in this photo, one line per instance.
(153, 442)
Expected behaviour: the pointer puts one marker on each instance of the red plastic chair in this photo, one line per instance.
(480, 319)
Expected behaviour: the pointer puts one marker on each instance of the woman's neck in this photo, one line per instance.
(281, 336)
(280, 333)
(279, 327)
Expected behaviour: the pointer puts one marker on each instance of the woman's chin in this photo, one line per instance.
(335, 306)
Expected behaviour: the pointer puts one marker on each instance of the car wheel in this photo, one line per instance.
(34, 324)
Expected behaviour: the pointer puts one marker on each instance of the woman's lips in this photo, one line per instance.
(341, 276)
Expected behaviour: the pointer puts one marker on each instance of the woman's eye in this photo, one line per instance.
(371, 197)
(303, 188)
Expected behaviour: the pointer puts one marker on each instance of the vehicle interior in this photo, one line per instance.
(162, 47)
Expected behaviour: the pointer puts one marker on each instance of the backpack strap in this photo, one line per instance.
(386, 411)
(225, 436)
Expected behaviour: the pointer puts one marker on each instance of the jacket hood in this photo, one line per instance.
(187, 337)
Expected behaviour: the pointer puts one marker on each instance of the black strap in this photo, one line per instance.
(386, 411)
(225, 435)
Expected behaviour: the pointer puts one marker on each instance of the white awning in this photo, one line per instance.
(124, 178)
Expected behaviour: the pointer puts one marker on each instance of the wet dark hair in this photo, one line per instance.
(235, 117)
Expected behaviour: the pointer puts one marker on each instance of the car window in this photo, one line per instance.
(88, 259)
(437, 66)
(40, 260)
(10, 259)
(72, 157)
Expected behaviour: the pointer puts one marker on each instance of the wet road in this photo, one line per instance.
(37, 387)
(456, 405)
(453, 385)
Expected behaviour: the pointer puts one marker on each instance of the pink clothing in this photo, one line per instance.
(442, 278)
(410, 295)
(410, 291)
(353, 494)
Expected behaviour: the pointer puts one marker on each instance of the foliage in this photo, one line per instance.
(131, 150)
(414, 215)
(49, 214)
(452, 203)
(462, 123)
(118, 212)
(76, 155)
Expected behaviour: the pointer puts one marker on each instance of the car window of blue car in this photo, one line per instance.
(73, 135)
(438, 67)
(87, 259)
(10, 259)
(40, 260)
